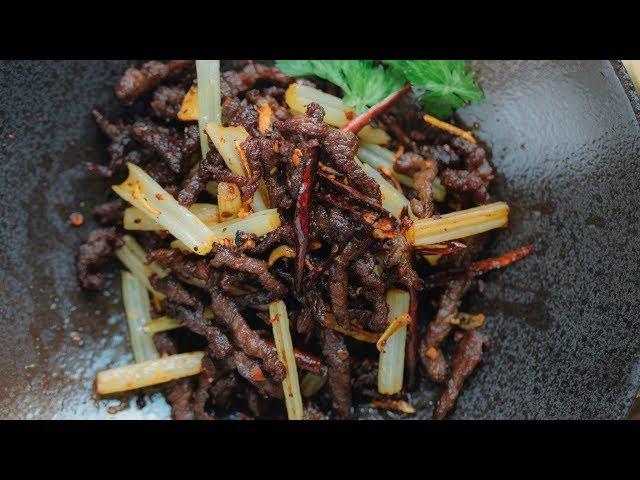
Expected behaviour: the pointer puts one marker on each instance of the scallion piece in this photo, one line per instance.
(378, 156)
(451, 226)
(209, 98)
(137, 309)
(392, 200)
(140, 190)
(228, 141)
(282, 337)
(161, 324)
(135, 219)
(391, 363)
(133, 257)
(151, 372)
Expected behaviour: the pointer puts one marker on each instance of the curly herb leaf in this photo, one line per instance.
(363, 83)
(448, 84)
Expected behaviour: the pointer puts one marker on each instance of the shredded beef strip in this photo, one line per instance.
(338, 363)
(201, 394)
(250, 370)
(463, 181)
(110, 213)
(179, 392)
(283, 235)
(338, 279)
(222, 391)
(201, 397)
(422, 183)
(94, 252)
(400, 257)
(445, 155)
(271, 97)
(342, 146)
(180, 264)
(218, 343)
(173, 290)
(474, 246)
(235, 82)
(437, 331)
(364, 268)
(248, 340)
(197, 180)
(475, 158)
(162, 140)
(465, 360)
(232, 258)
(139, 81)
(330, 224)
(167, 101)
(191, 141)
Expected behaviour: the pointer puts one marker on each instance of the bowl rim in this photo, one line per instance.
(628, 86)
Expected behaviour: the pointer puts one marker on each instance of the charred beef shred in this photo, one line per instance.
(236, 82)
(201, 397)
(110, 213)
(465, 182)
(338, 362)
(431, 355)
(400, 257)
(374, 292)
(283, 235)
(196, 182)
(445, 155)
(422, 180)
(179, 392)
(173, 290)
(250, 370)
(137, 82)
(338, 283)
(231, 258)
(466, 359)
(184, 266)
(227, 314)
(94, 253)
(475, 158)
(167, 101)
(218, 343)
(162, 140)
(342, 146)
(349, 250)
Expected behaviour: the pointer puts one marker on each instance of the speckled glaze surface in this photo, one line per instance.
(564, 323)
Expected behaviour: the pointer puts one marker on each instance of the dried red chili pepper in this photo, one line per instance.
(363, 119)
(440, 279)
(500, 261)
(302, 215)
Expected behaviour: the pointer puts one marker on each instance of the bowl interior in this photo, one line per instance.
(565, 142)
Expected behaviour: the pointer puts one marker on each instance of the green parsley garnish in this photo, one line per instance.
(363, 83)
(442, 85)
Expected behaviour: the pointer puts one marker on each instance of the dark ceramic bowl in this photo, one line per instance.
(564, 322)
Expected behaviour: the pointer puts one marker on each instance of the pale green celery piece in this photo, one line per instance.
(209, 98)
(143, 192)
(137, 308)
(391, 361)
(282, 337)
